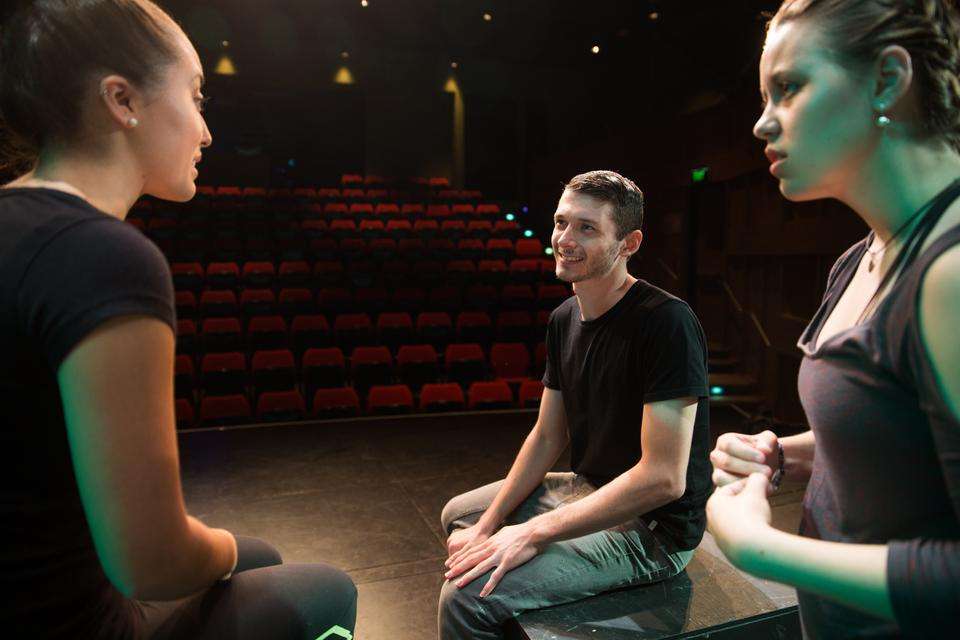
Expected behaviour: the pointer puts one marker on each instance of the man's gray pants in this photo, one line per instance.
(627, 555)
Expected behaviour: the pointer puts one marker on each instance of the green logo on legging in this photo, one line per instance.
(336, 631)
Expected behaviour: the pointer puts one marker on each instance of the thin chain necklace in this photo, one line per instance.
(873, 253)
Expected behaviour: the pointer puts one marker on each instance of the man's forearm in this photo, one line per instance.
(634, 492)
(537, 455)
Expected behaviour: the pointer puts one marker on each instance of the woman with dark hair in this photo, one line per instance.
(102, 98)
(862, 104)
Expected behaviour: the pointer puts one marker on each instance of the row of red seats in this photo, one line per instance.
(331, 210)
(415, 365)
(320, 227)
(290, 302)
(392, 329)
(344, 402)
(192, 276)
(328, 248)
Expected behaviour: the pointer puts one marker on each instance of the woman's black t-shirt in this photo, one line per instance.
(65, 267)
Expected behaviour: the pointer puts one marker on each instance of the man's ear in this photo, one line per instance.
(631, 243)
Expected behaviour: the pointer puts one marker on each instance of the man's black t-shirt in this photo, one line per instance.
(65, 268)
(646, 348)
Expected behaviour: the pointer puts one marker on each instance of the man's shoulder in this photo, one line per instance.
(649, 299)
(564, 312)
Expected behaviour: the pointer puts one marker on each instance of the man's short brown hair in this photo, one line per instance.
(622, 193)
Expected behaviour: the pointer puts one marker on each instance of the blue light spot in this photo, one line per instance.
(528, 233)
(717, 391)
(511, 217)
(548, 251)
(525, 209)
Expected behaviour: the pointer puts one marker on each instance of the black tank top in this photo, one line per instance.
(887, 464)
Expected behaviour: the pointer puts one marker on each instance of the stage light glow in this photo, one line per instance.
(343, 76)
(548, 251)
(654, 16)
(225, 67)
(511, 217)
(528, 233)
(454, 64)
(717, 390)
(225, 44)
(345, 55)
(699, 174)
(525, 209)
(595, 49)
(487, 17)
(364, 3)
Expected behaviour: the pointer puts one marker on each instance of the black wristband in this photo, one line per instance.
(777, 477)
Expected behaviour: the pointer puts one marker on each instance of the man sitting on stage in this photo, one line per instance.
(633, 507)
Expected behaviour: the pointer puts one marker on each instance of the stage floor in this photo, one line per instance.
(366, 496)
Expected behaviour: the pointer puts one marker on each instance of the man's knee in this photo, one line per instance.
(457, 508)
(463, 609)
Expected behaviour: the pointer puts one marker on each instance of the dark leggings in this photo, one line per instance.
(264, 599)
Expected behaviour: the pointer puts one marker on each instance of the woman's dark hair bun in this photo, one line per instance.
(53, 51)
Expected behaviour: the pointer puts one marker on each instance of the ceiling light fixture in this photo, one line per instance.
(487, 16)
(595, 48)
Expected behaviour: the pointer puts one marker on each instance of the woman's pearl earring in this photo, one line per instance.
(882, 120)
(132, 122)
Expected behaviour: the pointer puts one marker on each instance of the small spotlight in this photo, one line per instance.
(717, 391)
(548, 251)
(454, 64)
(364, 3)
(595, 49)
(344, 54)
(654, 15)
(528, 233)
(225, 43)
(525, 209)
(487, 16)
(511, 217)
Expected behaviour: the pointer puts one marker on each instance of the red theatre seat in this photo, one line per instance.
(340, 402)
(399, 228)
(186, 336)
(526, 270)
(186, 417)
(515, 326)
(412, 209)
(490, 395)
(225, 410)
(352, 329)
(474, 326)
(351, 178)
(462, 209)
(499, 249)
(258, 274)
(267, 332)
(447, 396)
(395, 328)
(257, 302)
(357, 194)
(387, 210)
(323, 368)
(275, 406)
(218, 304)
(517, 296)
(328, 273)
(531, 391)
(221, 334)
(550, 296)
(529, 248)
(336, 210)
(187, 275)
(390, 399)
(273, 370)
(417, 365)
(439, 182)
(184, 376)
(294, 273)
(309, 331)
(435, 327)
(370, 366)
(465, 363)
(488, 209)
(223, 372)
(186, 304)
(295, 301)
(361, 209)
(510, 361)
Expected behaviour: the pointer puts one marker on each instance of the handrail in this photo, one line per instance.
(667, 268)
(753, 316)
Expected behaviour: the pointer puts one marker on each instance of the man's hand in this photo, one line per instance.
(737, 455)
(507, 549)
(463, 539)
